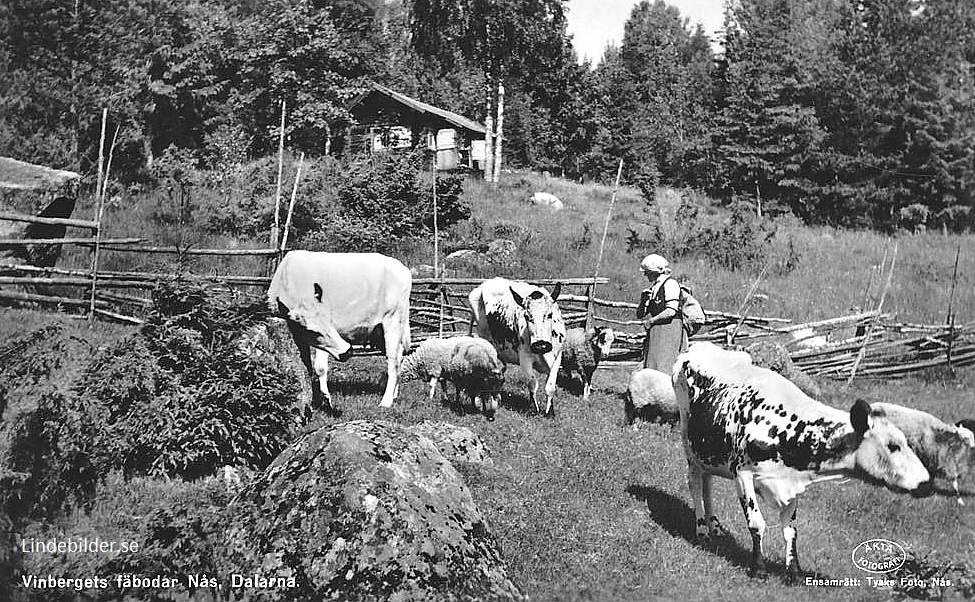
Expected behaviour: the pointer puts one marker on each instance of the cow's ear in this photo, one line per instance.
(860, 416)
(518, 298)
(556, 291)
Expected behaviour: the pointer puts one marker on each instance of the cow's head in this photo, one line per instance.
(883, 451)
(540, 313)
(319, 333)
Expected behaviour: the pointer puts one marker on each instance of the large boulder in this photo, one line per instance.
(774, 356)
(366, 511)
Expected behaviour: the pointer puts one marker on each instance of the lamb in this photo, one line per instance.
(472, 364)
(582, 351)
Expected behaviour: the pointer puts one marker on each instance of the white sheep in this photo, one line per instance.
(582, 351)
(651, 393)
(470, 363)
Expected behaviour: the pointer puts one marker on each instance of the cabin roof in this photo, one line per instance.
(20, 175)
(421, 107)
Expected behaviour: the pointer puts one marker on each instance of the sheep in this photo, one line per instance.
(651, 393)
(472, 364)
(582, 351)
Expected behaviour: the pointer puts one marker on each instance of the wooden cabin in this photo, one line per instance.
(386, 119)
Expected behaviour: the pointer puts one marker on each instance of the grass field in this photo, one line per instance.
(588, 510)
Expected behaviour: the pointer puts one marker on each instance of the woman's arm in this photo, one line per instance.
(672, 296)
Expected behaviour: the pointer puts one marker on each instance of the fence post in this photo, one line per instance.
(590, 304)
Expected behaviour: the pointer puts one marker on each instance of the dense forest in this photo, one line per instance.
(848, 112)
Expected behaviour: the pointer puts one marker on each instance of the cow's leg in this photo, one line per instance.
(553, 376)
(433, 387)
(756, 522)
(787, 516)
(321, 373)
(715, 529)
(550, 393)
(527, 365)
(392, 336)
(586, 384)
(695, 483)
(305, 354)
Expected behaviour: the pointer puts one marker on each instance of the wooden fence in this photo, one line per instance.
(868, 344)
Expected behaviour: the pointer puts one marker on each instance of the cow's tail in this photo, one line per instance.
(679, 378)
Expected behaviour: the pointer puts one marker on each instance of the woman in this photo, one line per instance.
(666, 337)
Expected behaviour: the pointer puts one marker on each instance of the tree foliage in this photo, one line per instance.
(841, 112)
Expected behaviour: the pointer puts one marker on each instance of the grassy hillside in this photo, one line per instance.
(588, 510)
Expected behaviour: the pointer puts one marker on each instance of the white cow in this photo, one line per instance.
(524, 324)
(750, 424)
(332, 300)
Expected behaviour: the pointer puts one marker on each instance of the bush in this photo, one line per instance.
(178, 526)
(740, 241)
(389, 194)
(177, 399)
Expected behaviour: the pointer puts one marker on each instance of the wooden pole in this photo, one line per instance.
(744, 304)
(499, 137)
(870, 327)
(33, 219)
(489, 139)
(602, 245)
(436, 228)
(950, 319)
(99, 197)
(291, 206)
(436, 249)
(277, 196)
(101, 156)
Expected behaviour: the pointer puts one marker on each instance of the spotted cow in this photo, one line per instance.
(332, 300)
(752, 425)
(524, 324)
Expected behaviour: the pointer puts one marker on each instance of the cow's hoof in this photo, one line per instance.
(758, 572)
(717, 531)
(793, 575)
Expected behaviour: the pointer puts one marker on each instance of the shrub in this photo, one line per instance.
(31, 468)
(740, 241)
(391, 191)
(176, 399)
(178, 527)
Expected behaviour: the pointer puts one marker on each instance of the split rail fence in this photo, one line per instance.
(865, 344)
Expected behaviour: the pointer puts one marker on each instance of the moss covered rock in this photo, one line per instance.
(365, 511)
(456, 443)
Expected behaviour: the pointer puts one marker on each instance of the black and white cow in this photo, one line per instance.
(331, 300)
(524, 324)
(750, 424)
